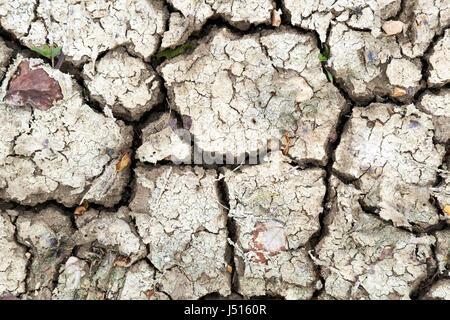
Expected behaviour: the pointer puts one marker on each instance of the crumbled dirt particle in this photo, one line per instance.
(392, 27)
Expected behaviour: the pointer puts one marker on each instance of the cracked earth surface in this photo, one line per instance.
(257, 168)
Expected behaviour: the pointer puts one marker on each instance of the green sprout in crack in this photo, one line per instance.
(48, 53)
(85, 96)
(171, 53)
(323, 58)
(329, 75)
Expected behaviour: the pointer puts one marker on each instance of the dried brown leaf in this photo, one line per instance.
(398, 92)
(123, 163)
(33, 87)
(81, 209)
(122, 261)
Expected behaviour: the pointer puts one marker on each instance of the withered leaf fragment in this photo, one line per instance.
(150, 293)
(81, 209)
(398, 92)
(33, 87)
(123, 163)
(269, 238)
(286, 149)
(122, 261)
(447, 209)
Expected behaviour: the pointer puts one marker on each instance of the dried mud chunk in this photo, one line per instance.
(139, 284)
(32, 87)
(439, 62)
(439, 291)
(201, 270)
(5, 54)
(96, 277)
(193, 15)
(438, 105)
(291, 275)
(48, 234)
(369, 67)
(13, 264)
(402, 72)
(422, 19)
(60, 152)
(443, 250)
(111, 230)
(276, 195)
(162, 141)
(254, 90)
(178, 32)
(125, 84)
(276, 209)
(16, 16)
(389, 150)
(425, 20)
(319, 15)
(102, 277)
(177, 213)
(72, 281)
(362, 257)
(84, 29)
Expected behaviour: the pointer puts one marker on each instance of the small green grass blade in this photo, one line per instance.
(38, 51)
(322, 58)
(171, 53)
(55, 51)
(47, 51)
(330, 76)
(327, 50)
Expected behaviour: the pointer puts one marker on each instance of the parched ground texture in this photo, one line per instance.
(291, 149)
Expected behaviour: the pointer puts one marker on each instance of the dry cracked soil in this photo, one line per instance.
(229, 149)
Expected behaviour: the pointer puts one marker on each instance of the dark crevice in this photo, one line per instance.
(333, 143)
(432, 277)
(218, 296)
(426, 67)
(224, 200)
